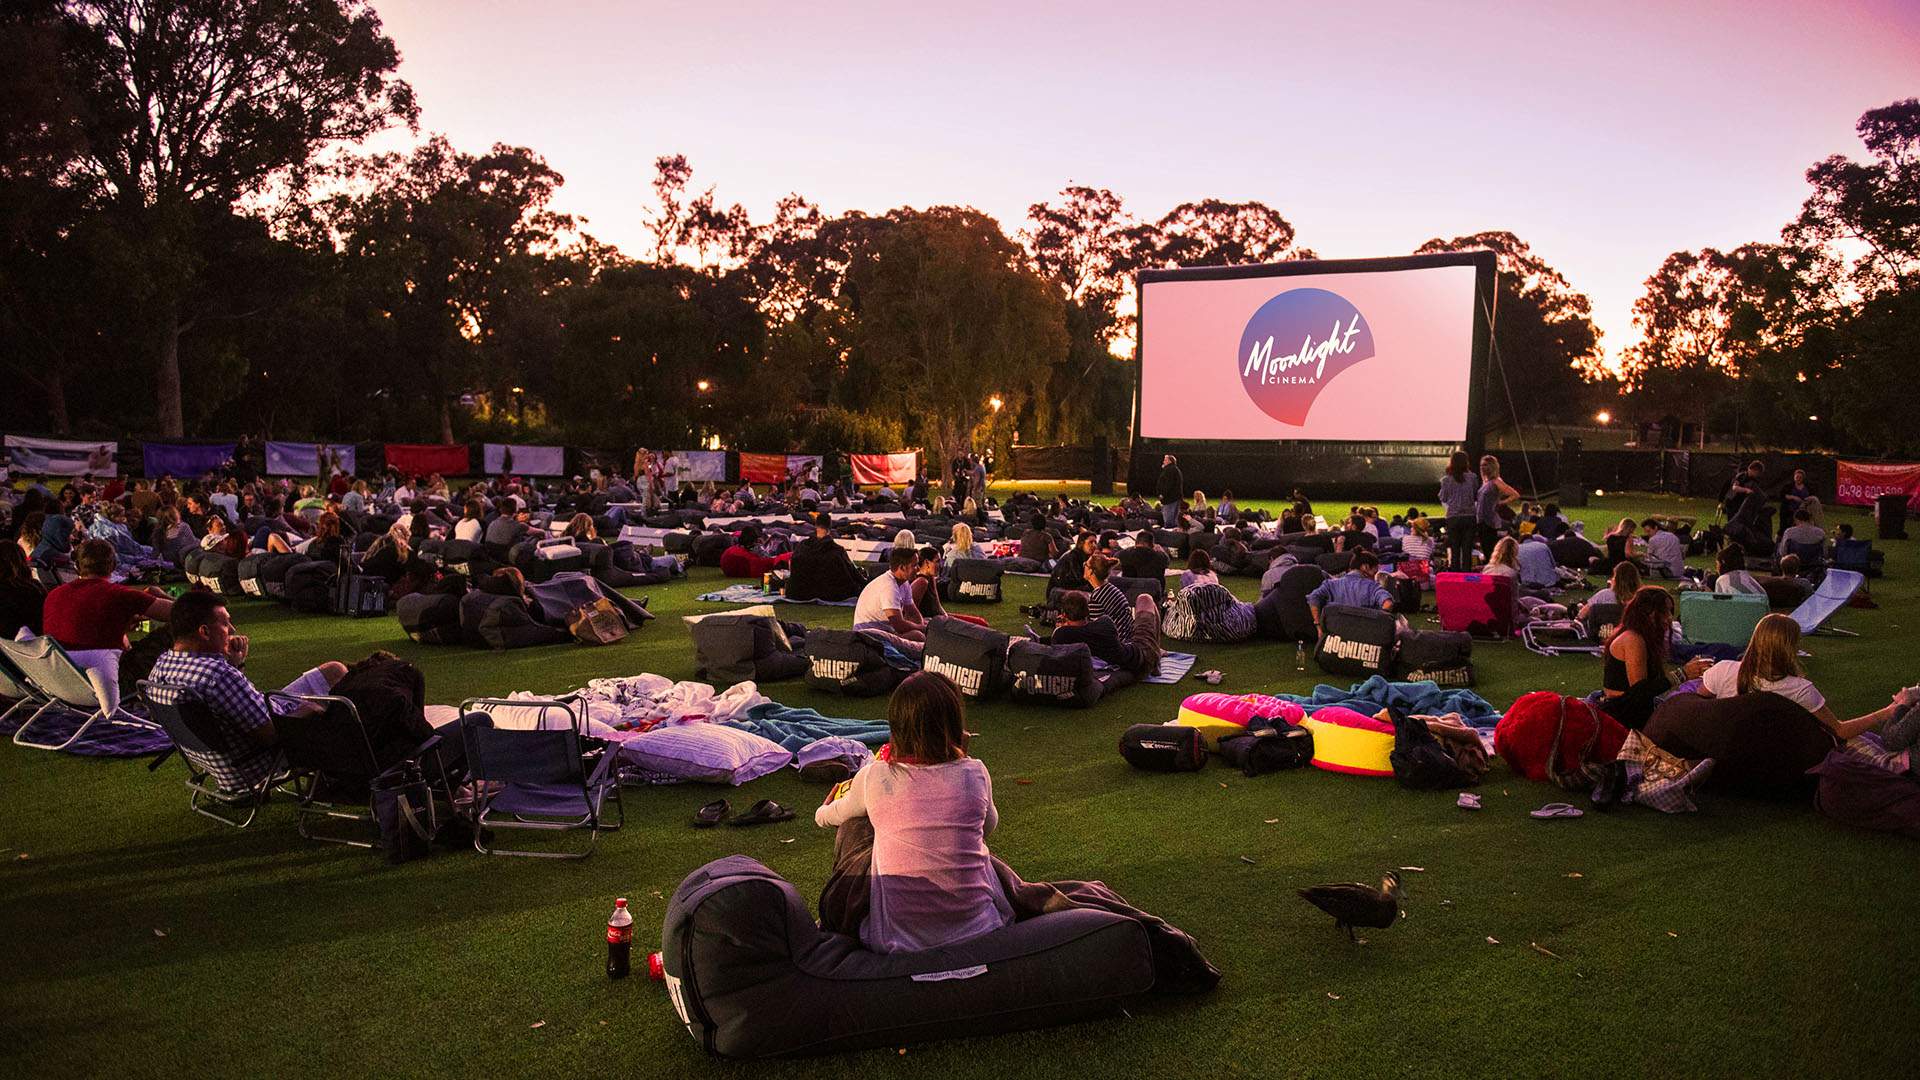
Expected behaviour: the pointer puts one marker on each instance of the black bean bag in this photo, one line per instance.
(431, 618)
(1136, 587)
(221, 573)
(536, 568)
(972, 581)
(466, 558)
(1358, 642)
(1761, 744)
(848, 662)
(708, 547)
(504, 622)
(733, 648)
(1054, 675)
(309, 586)
(1283, 613)
(558, 598)
(1334, 562)
(752, 976)
(973, 656)
(622, 565)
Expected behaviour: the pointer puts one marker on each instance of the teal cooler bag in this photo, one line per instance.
(1715, 618)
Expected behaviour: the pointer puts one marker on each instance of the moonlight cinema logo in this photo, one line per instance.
(1294, 345)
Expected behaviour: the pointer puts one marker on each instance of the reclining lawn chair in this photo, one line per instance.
(336, 769)
(1560, 637)
(1835, 589)
(63, 688)
(18, 689)
(546, 777)
(184, 718)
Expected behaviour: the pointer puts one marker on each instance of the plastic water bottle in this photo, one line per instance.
(1299, 656)
(619, 940)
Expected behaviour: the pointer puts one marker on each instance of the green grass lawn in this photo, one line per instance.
(1747, 940)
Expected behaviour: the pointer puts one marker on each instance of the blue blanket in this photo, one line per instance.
(1408, 697)
(794, 728)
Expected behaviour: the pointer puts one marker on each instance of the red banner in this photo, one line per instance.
(415, 459)
(1860, 482)
(884, 468)
(763, 468)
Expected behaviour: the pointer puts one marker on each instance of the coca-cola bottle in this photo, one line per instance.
(619, 940)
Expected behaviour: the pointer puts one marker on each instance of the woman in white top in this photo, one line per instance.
(1772, 664)
(962, 546)
(1417, 544)
(1505, 561)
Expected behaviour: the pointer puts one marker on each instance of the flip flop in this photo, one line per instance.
(711, 814)
(1558, 809)
(831, 771)
(1468, 801)
(764, 812)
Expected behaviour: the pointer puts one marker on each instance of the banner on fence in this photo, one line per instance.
(804, 466)
(700, 466)
(1860, 482)
(763, 468)
(184, 460)
(497, 458)
(303, 458)
(884, 468)
(425, 459)
(63, 457)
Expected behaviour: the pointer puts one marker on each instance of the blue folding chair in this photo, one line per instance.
(1836, 588)
(549, 777)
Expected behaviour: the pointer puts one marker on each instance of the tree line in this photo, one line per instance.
(192, 241)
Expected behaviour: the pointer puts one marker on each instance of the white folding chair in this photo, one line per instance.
(66, 689)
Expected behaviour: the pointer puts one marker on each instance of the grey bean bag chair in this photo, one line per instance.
(735, 648)
(558, 597)
(622, 565)
(430, 618)
(752, 976)
(503, 622)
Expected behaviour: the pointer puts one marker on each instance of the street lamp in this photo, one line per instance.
(1603, 416)
(703, 386)
(995, 403)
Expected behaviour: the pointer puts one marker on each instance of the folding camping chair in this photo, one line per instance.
(1559, 637)
(184, 718)
(551, 778)
(332, 763)
(64, 688)
(1835, 589)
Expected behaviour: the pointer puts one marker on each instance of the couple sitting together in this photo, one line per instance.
(1120, 632)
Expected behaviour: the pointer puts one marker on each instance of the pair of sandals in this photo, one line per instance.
(764, 812)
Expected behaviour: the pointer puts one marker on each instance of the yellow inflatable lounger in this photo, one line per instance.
(1345, 741)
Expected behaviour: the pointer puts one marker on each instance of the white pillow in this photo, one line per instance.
(709, 753)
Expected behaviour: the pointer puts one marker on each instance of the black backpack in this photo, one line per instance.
(1163, 748)
(430, 618)
(1053, 674)
(309, 586)
(973, 656)
(972, 581)
(1357, 641)
(1406, 594)
(1268, 749)
(844, 662)
(1420, 762)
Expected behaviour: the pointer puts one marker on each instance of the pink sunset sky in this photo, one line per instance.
(1605, 135)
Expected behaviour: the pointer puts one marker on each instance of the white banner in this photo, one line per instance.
(497, 458)
(699, 466)
(804, 466)
(62, 457)
(303, 458)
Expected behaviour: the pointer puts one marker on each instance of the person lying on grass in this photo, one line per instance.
(931, 808)
(1772, 664)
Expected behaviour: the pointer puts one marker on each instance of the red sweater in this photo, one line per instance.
(738, 562)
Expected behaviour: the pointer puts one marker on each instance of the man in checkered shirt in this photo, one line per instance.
(205, 665)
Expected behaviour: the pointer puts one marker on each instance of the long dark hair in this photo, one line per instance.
(1460, 466)
(1649, 614)
(14, 573)
(928, 720)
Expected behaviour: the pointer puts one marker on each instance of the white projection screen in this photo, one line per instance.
(1344, 351)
